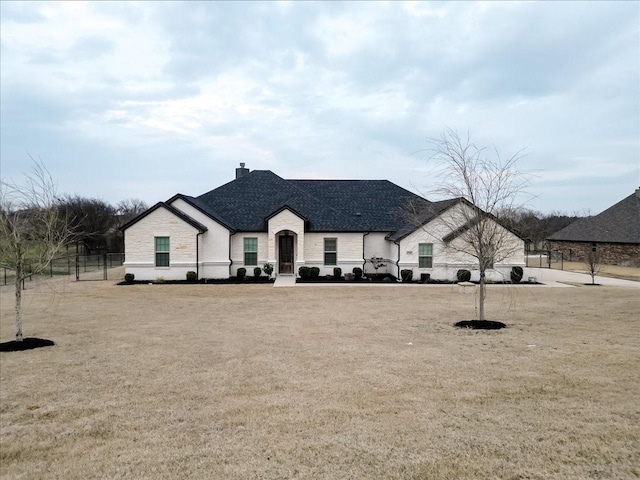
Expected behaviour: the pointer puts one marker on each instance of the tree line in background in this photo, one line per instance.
(95, 224)
(535, 227)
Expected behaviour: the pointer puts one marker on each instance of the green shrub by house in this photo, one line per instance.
(407, 275)
(463, 275)
(268, 269)
(357, 273)
(337, 272)
(516, 274)
(257, 271)
(242, 272)
(129, 277)
(192, 276)
(314, 272)
(304, 273)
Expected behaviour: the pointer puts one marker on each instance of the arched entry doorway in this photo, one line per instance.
(286, 252)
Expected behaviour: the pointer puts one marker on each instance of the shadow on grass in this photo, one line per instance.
(28, 343)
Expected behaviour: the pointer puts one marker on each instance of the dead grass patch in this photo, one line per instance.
(249, 381)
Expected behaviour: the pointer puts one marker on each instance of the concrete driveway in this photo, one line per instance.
(560, 278)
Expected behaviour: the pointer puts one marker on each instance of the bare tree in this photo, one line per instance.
(32, 228)
(130, 208)
(593, 262)
(484, 186)
(93, 221)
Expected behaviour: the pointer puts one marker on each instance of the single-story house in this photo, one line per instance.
(614, 234)
(260, 217)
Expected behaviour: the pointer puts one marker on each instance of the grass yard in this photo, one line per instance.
(255, 382)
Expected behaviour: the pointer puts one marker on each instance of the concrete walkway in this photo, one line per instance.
(285, 281)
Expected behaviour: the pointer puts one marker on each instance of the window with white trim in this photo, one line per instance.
(490, 253)
(251, 251)
(162, 251)
(330, 251)
(425, 255)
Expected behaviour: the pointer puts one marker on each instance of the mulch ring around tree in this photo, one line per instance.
(480, 324)
(28, 343)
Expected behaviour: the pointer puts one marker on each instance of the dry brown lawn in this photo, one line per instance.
(255, 382)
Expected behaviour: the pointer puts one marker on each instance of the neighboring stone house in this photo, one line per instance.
(614, 234)
(260, 217)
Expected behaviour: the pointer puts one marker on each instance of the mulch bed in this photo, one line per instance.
(28, 343)
(209, 281)
(480, 324)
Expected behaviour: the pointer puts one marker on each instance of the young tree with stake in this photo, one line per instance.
(32, 228)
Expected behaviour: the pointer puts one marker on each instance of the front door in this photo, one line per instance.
(286, 254)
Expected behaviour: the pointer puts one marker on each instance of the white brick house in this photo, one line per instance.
(260, 217)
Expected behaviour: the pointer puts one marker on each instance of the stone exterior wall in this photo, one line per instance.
(624, 254)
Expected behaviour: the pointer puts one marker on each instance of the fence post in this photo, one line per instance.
(77, 268)
(105, 266)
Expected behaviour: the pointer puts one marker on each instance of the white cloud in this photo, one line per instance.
(319, 89)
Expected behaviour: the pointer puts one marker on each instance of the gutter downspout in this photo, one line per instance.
(398, 262)
(230, 259)
(364, 260)
(198, 256)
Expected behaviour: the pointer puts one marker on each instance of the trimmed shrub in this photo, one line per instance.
(314, 272)
(407, 275)
(357, 273)
(129, 277)
(257, 271)
(463, 275)
(192, 276)
(304, 273)
(268, 269)
(516, 274)
(337, 272)
(242, 272)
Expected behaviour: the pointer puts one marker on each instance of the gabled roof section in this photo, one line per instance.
(419, 215)
(181, 215)
(198, 205)
(619, 223)
(287, 207)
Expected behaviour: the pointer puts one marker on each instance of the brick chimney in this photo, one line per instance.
(241, 172)
(638, 192)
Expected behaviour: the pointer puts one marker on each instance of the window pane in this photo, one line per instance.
(330, 258)
(162, 244)
(162, 259)
(426, 249)
(251, 259)
(425, 262)
(330, 244)
(162, 251)
(251, 244)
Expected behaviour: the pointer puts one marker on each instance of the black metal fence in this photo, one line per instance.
(545, 259)
(83, 267)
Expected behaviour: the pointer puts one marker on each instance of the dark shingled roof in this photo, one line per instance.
(617, 224)
(329, 205)
(422, 216)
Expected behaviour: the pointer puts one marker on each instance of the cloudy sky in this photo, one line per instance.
(147, 99)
